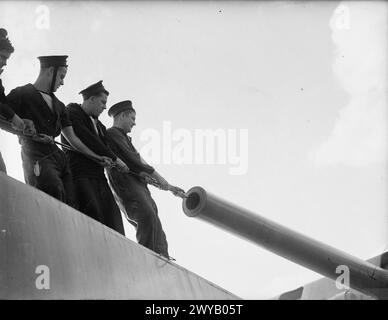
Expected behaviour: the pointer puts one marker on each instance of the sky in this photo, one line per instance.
(296, 91)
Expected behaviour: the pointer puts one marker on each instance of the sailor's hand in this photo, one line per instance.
(106, 161)
(147, 178)
(160, 180)
(44, 138)
(177, 191)
(17, 123)
(121, 165)
(163, 183)
(29, 127)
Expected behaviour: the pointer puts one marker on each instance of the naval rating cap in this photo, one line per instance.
(93, 90)
(119, 107)
(53, 61)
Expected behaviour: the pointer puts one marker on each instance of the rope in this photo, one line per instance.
(6, 125)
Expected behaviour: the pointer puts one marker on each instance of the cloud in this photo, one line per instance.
(359, 136)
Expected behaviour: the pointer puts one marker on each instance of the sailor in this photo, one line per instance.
(130, 189)
(94, 197)
(6, 49)
(44, 164)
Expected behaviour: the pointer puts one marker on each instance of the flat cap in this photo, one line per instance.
(119, 107)
(93, 90)
(53, 61)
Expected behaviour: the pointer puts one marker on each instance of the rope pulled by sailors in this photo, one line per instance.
(30, 133)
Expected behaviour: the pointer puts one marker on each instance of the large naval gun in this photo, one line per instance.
(49, 250)
(364, 276)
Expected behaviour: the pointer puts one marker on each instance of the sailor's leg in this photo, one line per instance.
(112, 214)
(48, 179)
(161, 245)
(88, 198)
(68, 183)
(149, 232)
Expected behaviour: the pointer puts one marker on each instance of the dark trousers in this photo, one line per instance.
(2, 164)
(142, 210)
(95, 199)
(55, 177)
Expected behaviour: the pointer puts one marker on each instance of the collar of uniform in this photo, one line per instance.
(123, 132)
(40, 91)
(90, 117)
(78, 106)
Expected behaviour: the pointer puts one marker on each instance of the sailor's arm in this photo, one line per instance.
(162, 182)
(131, 159)
(17, 122)
(76, 143)
(9, 112)
(84, 141)
(6, 111)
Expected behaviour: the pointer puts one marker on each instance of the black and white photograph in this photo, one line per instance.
(222, 151)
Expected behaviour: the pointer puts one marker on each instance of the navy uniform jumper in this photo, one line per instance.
(94, 197)
(133, 195)
(54, 177)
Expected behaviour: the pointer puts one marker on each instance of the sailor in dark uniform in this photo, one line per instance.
(131, 191)
(6, 49)
(93, 194)
(44, 164)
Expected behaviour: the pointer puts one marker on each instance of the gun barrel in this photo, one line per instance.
(317, 256)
